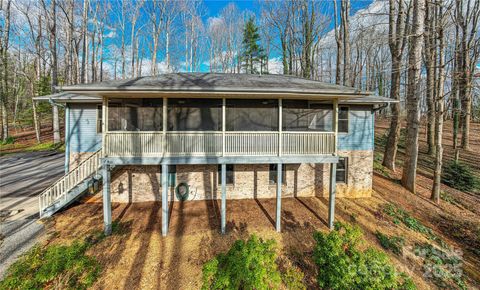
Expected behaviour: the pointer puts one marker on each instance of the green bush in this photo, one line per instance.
(54, 266)
(444, 268)
(459, 176)
(247, 265)
(342, 265)
(9, 140)
(393, 243)
(292, 279)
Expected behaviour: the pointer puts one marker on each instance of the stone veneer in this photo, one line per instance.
(143, 183)
(77, 157)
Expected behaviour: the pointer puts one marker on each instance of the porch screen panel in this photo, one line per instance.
(135, 114)
(299, 115)
(251, 115)
(194, 115)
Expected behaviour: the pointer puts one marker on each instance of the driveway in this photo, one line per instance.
(22, 177)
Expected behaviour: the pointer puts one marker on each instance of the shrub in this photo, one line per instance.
(393, 243)
(342, 265)
(247, 265)
(54, 266)
(9, 140)
(444, 268)
(292, 279)
(459, 176)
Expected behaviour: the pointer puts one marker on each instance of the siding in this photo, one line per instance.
(83, 128)
(360, 129)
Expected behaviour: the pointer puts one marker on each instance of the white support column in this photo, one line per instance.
(107, 203)
(335, 123)
(279, 198)
(67, 138)
(104, 124)
(164, 125)
(280, 117)
(223, 125)
(331, 199)
(224, 198)
(164, 199)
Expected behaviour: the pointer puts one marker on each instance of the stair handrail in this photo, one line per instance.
(72, 178)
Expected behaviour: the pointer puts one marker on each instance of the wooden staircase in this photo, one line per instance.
(71, 186)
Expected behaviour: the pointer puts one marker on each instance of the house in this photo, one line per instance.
(195, 136)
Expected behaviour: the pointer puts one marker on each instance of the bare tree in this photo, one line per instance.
(413, 95)
(397, 36)
(4, 54)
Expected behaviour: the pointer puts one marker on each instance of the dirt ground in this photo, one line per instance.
(137, 256)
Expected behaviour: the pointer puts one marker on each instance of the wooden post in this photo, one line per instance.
(331, 199)
(164, 125)
(335, 123)
(223, 125)
(107, 203)
(279, 198)
(280, 127)
(224, 197)
(164, 199)
(67, 138)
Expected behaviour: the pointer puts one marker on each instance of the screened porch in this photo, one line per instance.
(152, 127)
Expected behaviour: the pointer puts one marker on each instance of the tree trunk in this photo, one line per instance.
(430, 57)
(413, 96)
(346, 43)
(54, 68)
(83, 72)
(4, 92)
(396, 40)
(440, 104)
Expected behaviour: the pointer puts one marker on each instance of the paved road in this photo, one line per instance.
(22, 177)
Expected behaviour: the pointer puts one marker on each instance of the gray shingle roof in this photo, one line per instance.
(216, 82)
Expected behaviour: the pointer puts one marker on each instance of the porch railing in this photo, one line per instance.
(154, 144)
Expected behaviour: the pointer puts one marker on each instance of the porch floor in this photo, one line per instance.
(137, 256)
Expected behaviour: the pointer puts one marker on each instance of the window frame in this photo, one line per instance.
(274, 173)
(219, 174)
(343, 119)
(345, 171)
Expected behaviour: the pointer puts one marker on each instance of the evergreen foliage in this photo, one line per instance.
(247, 265)
(460, 176)
(253, 55)
(342, 265)
(56, 266)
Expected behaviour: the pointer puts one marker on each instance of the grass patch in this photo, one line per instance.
(378, 167)
(460, 176)
(443, 268)
(17, 148)
(392, 243)
(400, 216)
(445, 196)
(53, 266)
(9, 140)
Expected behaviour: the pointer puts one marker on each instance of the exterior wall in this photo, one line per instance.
(143, 183)
(81, 132)
(360, 134)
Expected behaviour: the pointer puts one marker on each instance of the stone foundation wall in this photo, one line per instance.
(143, 183)
(359, 175)
(77, 157)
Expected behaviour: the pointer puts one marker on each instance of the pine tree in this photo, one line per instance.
(252, 52)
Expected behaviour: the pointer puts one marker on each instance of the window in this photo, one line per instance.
(306, 116)
(251, 115)
(343, 119)
(172, 175)
(135, 114)
(230, 174)
(194, 114)
(342, 170)
(272, 174)
(99, 119)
